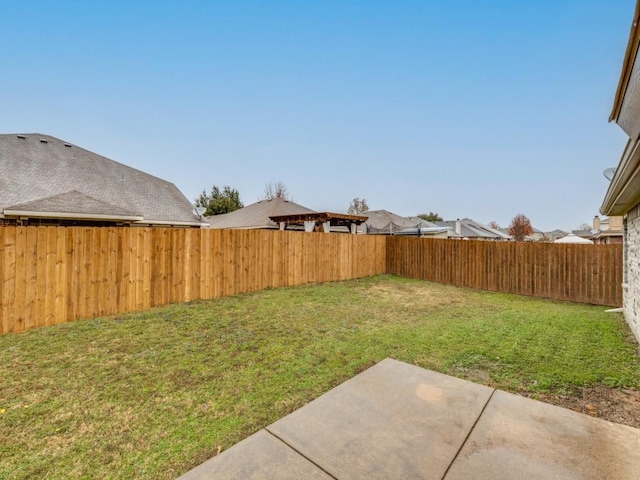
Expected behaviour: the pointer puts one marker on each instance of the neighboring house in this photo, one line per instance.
(623, 196)
(384, 222)
(277, 213)
(48, 181)
(573, 238)
(586, 234)
(471, 230)
(327, 222)
(421, 221)
(537, 235)
(257, 215)
(609, 230)
(554, 235)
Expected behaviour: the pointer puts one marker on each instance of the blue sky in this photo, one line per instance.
(480, 109)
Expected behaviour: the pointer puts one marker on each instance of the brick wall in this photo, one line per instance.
(631, 290)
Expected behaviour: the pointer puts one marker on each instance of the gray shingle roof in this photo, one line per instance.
(257, 214)
(471, 229)
(423, 223)
(75, 203)
(47, 174)
(555, 234)
(464, 230)
(384, 220)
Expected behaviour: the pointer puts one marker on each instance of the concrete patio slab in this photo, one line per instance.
(394, 420)
(517, 437)
(399, 421)
(261, 456)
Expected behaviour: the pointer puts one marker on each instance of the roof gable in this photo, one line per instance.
(74, 203)
(257, 215)
(471, 229)
(386, 220)
(37, 167)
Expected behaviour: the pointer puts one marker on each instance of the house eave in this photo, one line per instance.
(624, 190)
(71, 216)
(627, 66)
(245, 227)
(142, 221)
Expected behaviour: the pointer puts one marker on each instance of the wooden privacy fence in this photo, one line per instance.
(52, 275)
(579, 273)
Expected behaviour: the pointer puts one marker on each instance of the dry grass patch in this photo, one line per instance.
(417, 297)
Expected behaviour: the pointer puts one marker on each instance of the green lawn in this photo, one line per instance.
(152, 394)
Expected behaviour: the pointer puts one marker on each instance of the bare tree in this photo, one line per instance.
(358, 206)
(585, 226)
(493, 224)
(275, 190)
(520, 227)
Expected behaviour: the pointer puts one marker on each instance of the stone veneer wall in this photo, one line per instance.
(631, 288)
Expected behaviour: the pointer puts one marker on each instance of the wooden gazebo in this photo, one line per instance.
(320, 221)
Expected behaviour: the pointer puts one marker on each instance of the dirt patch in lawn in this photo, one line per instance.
(615, 405)
(417, 296)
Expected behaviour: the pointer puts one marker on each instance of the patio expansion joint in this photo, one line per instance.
(455, 457)
(300, 453)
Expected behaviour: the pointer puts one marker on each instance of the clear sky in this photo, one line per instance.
(469, 108)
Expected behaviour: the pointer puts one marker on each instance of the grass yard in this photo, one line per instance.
(153, 394)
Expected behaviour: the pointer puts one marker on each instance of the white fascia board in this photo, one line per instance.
(624, 190)
(169, 222)
(75, 216)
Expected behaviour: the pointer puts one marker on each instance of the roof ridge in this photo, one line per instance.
(65, 142)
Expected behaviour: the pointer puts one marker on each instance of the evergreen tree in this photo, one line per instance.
(219, 201)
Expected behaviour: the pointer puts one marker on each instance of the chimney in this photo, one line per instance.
(458, 227)
(596, 222)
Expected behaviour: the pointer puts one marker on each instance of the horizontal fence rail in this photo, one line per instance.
(52, 275)
(579, 273)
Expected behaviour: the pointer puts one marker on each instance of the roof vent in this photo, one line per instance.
(67, 145)
(21, 136)
(42, 140)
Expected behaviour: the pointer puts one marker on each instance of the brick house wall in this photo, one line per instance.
(631, 290)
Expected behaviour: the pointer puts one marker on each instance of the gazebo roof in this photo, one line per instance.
(573, 238)
(334, 219)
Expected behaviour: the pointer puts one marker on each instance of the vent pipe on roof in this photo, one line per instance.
(21, 136)
(42, 140)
